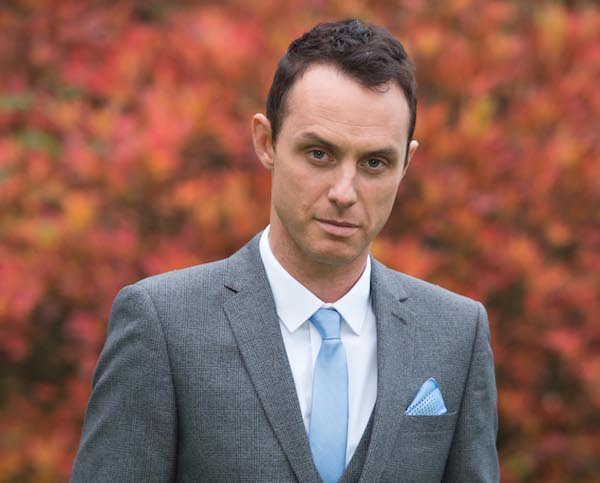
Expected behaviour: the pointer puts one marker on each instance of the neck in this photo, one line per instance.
(328, 281)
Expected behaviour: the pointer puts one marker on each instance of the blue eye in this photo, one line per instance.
(318, 154)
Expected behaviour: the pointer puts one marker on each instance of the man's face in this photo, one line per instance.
(336, 166)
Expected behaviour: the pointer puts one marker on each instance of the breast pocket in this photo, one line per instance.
(428, 424)
(421, 448)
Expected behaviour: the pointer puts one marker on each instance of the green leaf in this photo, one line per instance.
(16, 102)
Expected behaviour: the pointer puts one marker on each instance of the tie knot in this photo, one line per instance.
(327, 322)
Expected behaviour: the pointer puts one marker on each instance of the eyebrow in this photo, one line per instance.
(313, 138)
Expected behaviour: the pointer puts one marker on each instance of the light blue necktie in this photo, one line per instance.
(328, 432)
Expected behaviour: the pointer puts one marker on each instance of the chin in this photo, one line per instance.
(335, 256)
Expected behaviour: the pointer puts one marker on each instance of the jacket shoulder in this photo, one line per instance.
(429, 296)
(207, 276)
(204, 275)
(438, 312)
(432, 292)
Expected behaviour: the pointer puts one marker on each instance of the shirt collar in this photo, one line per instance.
(295, 303)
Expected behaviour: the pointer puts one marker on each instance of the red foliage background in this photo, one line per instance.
(125, 151)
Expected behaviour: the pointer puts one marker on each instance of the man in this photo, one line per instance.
(297, 358)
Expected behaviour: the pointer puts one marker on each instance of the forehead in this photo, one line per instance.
(336, 105)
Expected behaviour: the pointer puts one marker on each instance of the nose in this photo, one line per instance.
(342, 191)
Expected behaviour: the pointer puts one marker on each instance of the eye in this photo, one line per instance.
(375, 163)
(319, 157)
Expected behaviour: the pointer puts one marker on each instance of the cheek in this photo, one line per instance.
(381, 200)
(290, 194)
(284, 181)
(296, 186)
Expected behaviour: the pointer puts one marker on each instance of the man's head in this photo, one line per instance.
(366, 53)
(341, 148)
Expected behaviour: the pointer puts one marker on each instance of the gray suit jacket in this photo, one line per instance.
(194, 384)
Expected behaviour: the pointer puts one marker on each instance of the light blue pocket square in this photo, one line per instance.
(428, 401)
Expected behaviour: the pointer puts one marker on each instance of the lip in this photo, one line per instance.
(338, 228)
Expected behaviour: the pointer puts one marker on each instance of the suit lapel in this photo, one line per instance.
(395, 362)
(254, 322)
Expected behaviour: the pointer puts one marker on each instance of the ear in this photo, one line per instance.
(263, 141)
(412, 147)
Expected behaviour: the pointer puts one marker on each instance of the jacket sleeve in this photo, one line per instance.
(473, 456)
(130, 428)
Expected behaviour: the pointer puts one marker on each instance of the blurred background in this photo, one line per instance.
(125, 152)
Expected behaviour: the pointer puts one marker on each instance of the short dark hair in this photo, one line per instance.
(362, 51)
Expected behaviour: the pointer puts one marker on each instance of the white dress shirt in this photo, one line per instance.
(295, 304)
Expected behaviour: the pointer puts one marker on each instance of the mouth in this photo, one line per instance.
(340, 228)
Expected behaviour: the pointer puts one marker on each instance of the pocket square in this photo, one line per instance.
(428, 401)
